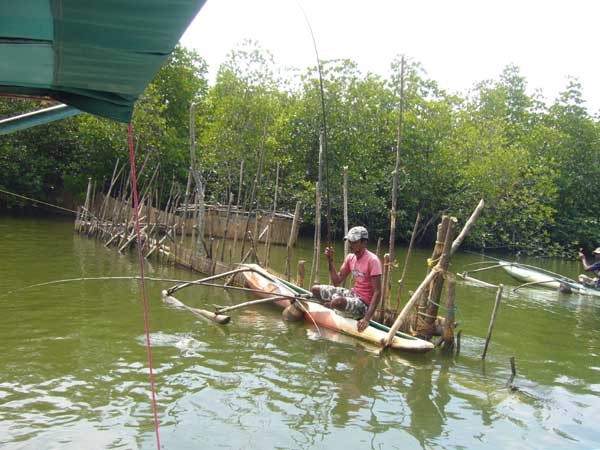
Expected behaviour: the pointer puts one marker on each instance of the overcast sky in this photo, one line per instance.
(458, 42)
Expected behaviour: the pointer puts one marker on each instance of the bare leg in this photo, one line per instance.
(316, 290)
(338, 302)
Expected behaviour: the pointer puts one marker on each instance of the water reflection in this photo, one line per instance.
(427, 398)
(73, 369)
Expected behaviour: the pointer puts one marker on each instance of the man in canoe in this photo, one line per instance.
(591, 267)
(361, 301)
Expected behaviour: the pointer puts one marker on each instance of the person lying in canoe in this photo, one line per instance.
(591, 267)
(361, 301)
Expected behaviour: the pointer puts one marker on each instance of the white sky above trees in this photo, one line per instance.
(458, 42)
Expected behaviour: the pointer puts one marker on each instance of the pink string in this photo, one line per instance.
(141, 259)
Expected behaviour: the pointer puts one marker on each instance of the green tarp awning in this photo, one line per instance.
(94, 55)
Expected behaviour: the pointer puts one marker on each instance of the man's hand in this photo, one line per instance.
(362, 324)
(329, 253)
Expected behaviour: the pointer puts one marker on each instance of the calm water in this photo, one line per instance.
(73, 367)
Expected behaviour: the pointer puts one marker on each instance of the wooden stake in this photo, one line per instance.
(346, 224)
(253, 247)
(448, 335)
(300, 274)
(435, 291)
(288, 260)
(186, 203)
(225, 231)
(237, 214)
(199, 187)
(315, 266)
(378, 250)
(268, 241)
(493, 320)
(513, 374)
(384, 284)
(271, 220)
(406, 259)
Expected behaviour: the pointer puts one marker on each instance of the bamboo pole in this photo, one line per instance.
(448, 335)
(300, 274)
(84, 214)
(198, 180)
(288, 260)
(186, 202)
(252, 207)
(92, 209)
(425, 283)
(421, 304)
(253, 248)
(387, 287)
(467, 228)
(271, 220)
(406, 259)
(113, 181)
(492, 320)
(435, 289)
(246, 256)
(346, 224)
(268, 243)
(194, 217)
(224, 240)
(117, 206)
(386, 277)
(237, 213)
(276, 188)
(315, 266)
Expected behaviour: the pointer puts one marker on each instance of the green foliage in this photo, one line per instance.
(535, 165)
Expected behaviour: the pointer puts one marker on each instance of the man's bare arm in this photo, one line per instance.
(376, 285)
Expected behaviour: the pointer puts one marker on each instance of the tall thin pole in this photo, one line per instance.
(493, 320)
(388, 286)
(324, 121)
(346, 225)
(199, 187)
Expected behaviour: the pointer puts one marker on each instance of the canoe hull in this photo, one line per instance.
(325, 317)
(527, 275)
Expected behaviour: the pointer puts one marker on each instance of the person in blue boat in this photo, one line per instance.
(593, 266)
(360, 301)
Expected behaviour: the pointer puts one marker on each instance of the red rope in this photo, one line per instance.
(141, 259)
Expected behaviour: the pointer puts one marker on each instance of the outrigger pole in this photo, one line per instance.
(40, 117)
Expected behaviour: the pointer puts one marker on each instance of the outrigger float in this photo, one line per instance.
(534, 276)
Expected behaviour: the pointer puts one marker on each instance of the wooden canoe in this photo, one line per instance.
(526, 274)
(261, 280)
